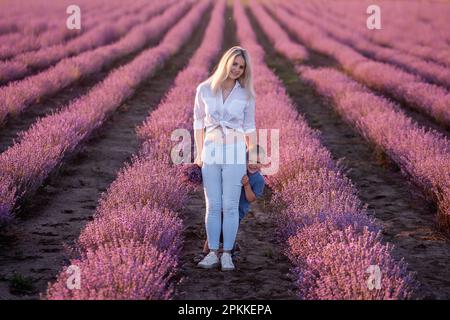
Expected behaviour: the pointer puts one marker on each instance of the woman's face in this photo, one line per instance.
(237, 68)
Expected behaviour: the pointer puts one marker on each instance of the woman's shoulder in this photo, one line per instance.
(246, 95)
(204, 86)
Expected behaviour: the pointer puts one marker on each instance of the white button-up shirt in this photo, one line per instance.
(210, 112)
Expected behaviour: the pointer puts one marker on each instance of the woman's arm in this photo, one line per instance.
(249, 124)
(199, 124)
(198, 137)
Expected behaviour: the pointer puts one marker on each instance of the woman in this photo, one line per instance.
(224, 125)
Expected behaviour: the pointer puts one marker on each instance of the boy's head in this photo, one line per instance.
(256, 158)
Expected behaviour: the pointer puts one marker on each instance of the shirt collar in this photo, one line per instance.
(236, 85)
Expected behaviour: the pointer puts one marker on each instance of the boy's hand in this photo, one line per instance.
(245, 180)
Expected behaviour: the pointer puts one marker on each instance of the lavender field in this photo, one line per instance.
(93, 207)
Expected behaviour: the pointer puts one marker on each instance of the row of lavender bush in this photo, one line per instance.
(139, 212)
(30, 23)
(329, 237)
(37, 16)
(421, 155)
(55, 31)
(109, 28)
(414, 28)
(16, 96)
(26, 164)
(337, 29)
(427, 98)
(279, 39)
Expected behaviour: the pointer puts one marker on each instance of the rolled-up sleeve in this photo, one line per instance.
(199, 111)
(249, 117)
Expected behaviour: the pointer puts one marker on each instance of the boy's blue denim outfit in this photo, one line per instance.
(256, 181)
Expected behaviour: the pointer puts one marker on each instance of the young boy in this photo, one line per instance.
(252, 187)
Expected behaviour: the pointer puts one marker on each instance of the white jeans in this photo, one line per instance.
(222, 185)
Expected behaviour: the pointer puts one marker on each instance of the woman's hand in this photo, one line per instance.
(199, 140)
(198, 161)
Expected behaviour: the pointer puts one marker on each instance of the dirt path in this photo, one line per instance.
(262, 271)
(34, 246)
(55, 102)
(407, 220)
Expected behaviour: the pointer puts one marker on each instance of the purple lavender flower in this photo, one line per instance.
(192, 174)
(129, 270)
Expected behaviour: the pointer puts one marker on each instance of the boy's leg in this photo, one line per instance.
(205, 247)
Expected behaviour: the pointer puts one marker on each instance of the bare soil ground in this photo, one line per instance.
(262, 271)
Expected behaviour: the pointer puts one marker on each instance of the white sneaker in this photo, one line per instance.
(227, 262)
(210, 261)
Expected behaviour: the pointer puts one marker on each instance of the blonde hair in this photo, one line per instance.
(224, 67)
